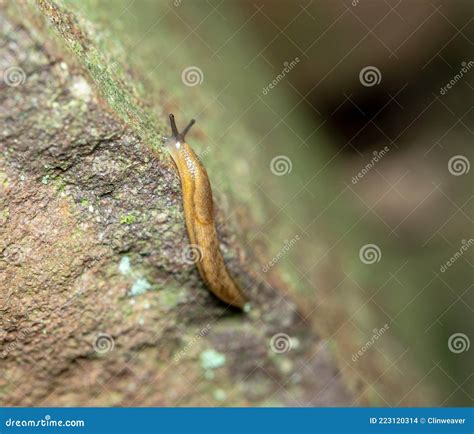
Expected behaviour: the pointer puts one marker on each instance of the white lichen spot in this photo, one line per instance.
(124, 265)
(80, 89)
(219, 395)
(146, 305)
(141, 321)
(140, 286)
(212, 359)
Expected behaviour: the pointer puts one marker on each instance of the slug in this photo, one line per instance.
(199, 216)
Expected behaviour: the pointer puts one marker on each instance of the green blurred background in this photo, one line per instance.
(325, 121)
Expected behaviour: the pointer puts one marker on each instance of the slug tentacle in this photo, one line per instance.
(199, 215)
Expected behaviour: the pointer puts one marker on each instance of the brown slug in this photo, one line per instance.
(199, 216)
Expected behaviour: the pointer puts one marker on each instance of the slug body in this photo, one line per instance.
(199, 215)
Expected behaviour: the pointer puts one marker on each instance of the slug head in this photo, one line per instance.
(176, 140)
